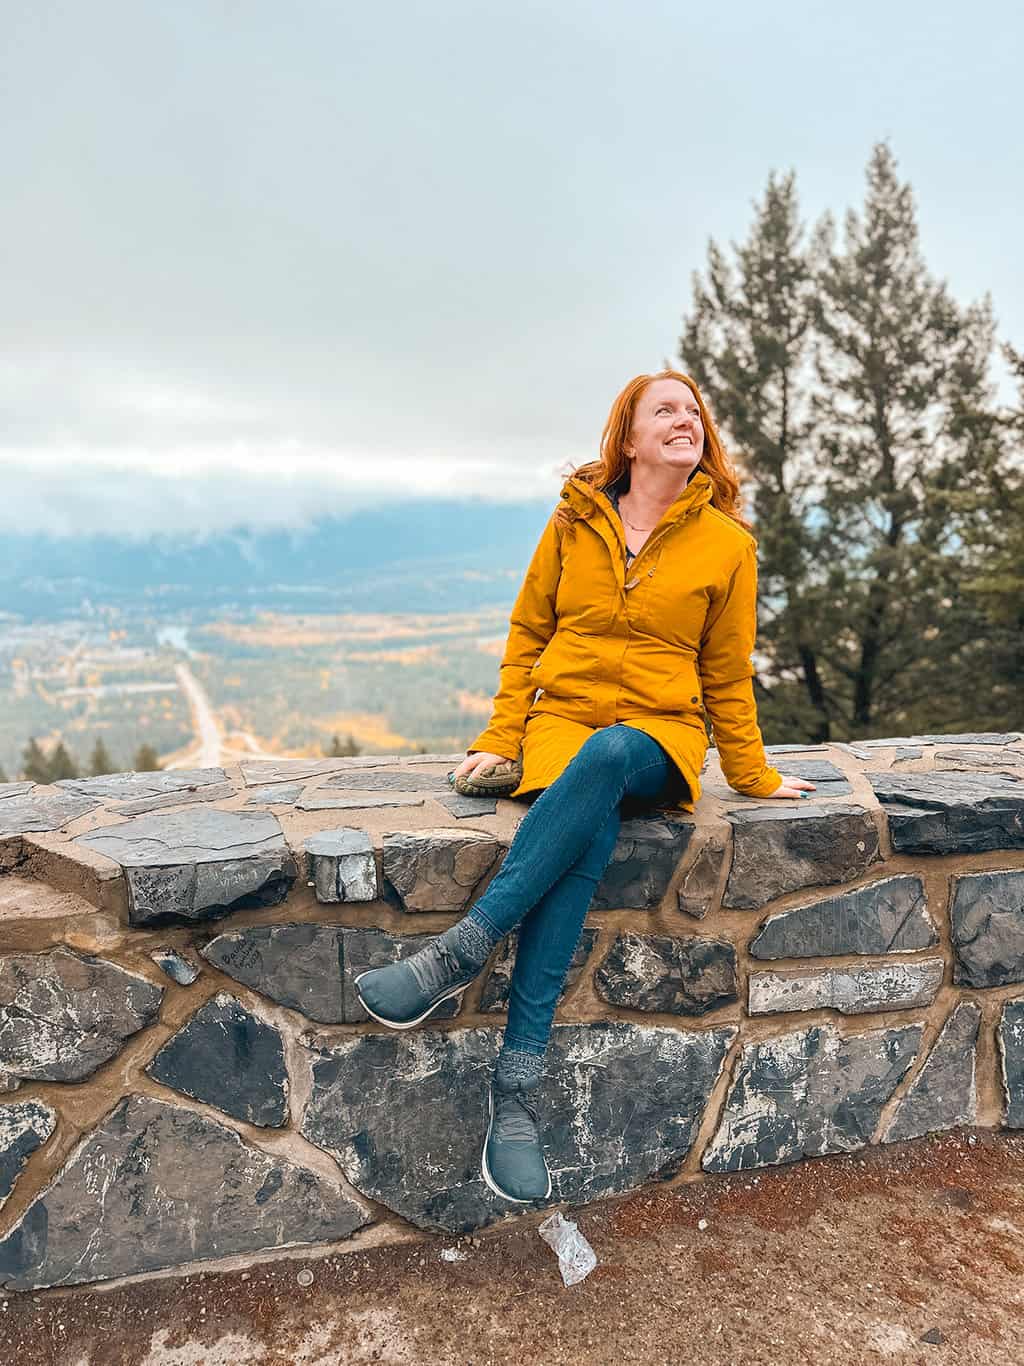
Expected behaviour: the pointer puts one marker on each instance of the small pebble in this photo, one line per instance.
(305, 1277)
(702, 1223)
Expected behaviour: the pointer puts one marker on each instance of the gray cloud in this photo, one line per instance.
(345, 250)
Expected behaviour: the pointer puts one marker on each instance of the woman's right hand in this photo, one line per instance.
(479, 759)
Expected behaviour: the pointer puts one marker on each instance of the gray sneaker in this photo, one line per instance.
(404, 993)
(512, 1162)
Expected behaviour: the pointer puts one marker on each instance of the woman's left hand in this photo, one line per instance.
(792, 787)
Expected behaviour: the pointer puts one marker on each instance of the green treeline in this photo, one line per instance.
(38, 766)
(857, 397)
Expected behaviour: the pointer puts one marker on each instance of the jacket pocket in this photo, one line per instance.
(567, 666)
(682, 691)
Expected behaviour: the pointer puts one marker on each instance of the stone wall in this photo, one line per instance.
(187, 1074)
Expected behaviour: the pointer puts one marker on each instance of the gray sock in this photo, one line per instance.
(471, 942)
(517, 1068)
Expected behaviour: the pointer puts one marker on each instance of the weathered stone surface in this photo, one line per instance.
(796, 749)
(943, 1093)
(462, 807)
(778, 850)
(645, 856)
(310, 967)
(24, 1126)
(259, 772)
(63, 1014)
(682, 976)
(197, 864)
(698, 891)
(987, 927)
(951, 813)
(437, 870)
(851, 991)
(132, 786)
(298, 966)
(1010, 1037)
(278, 794)
(433, 758)
(973, 738)
(157, 1185)
(829, 780)
(215, 792)
(892, 742)
(986, 758)
(177, 967)
(227, 1057)
(404, 1115)
(315, 802)
(341, 865)
(14, 790)
(858, 751)
(888, 916)
(494, 996)
(389, 780)
(42, 811)
(808, 1093)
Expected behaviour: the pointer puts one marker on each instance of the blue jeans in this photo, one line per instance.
(559, 854)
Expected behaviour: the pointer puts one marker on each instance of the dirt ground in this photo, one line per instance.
(906, 1253)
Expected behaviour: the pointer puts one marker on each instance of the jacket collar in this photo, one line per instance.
(589, 501)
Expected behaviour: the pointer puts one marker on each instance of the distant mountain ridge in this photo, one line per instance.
(420, 552)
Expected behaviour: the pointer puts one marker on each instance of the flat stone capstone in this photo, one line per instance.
(197, 863)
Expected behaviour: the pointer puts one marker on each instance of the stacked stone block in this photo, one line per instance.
(757, 984)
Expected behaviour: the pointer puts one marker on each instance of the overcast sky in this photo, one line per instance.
(263, 260)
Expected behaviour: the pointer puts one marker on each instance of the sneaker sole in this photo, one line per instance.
(406, 1024)
(485, 1171)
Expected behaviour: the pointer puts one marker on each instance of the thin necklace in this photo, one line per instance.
(632, 524)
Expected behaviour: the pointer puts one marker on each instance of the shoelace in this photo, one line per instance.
(515, 1118)
(434, 967)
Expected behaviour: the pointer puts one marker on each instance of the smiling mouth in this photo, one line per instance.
(680, 441)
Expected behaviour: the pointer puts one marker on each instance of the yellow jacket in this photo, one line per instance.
(656, 650)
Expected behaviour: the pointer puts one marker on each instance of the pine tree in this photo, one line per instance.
(146, 760)
(897, 361)
(746, 342)
(61, 764)
(854, 392)
(35, 766)
(100, 762)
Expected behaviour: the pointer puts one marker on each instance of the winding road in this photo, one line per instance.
(212, 748)
(209, 752)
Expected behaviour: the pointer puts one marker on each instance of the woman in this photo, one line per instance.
(636, 618)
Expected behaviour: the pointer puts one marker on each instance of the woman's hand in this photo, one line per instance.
(791, 787)
(481, 759)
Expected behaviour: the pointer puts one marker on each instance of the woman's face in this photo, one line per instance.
(667, 432)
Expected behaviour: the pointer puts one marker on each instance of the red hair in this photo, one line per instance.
(612, 464)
